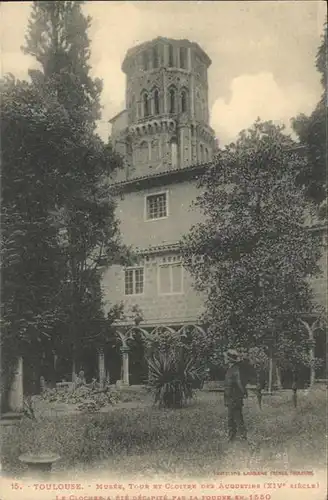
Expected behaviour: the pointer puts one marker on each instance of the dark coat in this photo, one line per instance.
(234, 388)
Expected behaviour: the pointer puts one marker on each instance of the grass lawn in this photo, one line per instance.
(190, 442)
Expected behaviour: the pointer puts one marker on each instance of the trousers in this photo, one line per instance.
(236, 422)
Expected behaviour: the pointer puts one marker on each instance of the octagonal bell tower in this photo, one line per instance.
(166, 121)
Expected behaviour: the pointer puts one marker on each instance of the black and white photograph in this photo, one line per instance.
(164, 323)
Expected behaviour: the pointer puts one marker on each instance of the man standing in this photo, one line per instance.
(234, 393)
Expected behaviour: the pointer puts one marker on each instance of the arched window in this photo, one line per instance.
(145, 60)
(206, 155)
(201, 152)
(184, 106)
(155, 57)
(155, 152)
(174, 153)
(145, 104)
(144, 152)
(172, 106)
(171, 56)
(156, 102)
(183, 57)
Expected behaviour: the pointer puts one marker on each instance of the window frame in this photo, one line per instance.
(170, 265)
(157, 193)
(134, 268)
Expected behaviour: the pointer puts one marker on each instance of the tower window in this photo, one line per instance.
(134, 281)
(145, 60)
(156, 206)
(183, 101)
(171, 101)
(201, 148)
(156, 102)
(171, 56)
(145, 104)
(183, 57)
(174, 153)
(144, 152)
(155, 57)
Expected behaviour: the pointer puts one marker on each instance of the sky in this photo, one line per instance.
(263, 53)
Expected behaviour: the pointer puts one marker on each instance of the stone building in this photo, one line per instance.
(166, 141)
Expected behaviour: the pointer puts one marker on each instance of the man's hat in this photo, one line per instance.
(232, 356)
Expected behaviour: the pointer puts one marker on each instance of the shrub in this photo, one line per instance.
(172, 376)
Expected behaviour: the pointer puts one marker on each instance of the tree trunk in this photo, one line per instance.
(270, 374)
(278, 378)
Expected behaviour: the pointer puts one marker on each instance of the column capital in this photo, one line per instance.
(125, 349)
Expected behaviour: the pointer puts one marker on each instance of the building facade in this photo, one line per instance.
(166, 141)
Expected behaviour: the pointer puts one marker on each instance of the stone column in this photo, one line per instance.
(125, 364)
(101, 367)
(165, 94)
(311, 343)
(181, 133)
(16, 394)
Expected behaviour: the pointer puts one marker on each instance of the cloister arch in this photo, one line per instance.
(127, 333)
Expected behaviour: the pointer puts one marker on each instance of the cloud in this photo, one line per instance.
(258, 95)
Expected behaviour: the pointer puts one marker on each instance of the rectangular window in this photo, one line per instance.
(134, 281)
(156, 206)
(170, 278)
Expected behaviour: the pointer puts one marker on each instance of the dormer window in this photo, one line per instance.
(183, 57)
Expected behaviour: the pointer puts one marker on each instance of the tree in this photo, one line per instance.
(85, 210)
(252, 255)
(311, 131)
(31, 259)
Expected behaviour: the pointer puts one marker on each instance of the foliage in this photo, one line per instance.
(252, 256)
(311, 131)
(172, 376)
(31, 259)
(85, 396)
(174, 371)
